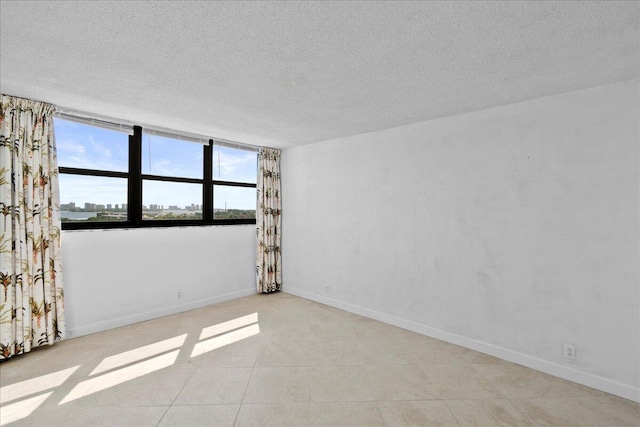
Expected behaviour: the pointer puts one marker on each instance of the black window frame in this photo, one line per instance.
(135, 178)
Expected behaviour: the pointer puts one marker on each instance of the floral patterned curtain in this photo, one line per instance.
(31, 298)
(269, 259)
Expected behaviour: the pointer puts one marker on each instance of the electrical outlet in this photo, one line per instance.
(179, 294)
(570, 352)
(328, 290)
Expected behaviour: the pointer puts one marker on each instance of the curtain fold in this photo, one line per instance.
(31, 298)
(269, 206)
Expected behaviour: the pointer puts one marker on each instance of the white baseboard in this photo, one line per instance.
(80, 330)
(617, 388)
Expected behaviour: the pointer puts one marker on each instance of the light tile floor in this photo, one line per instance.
(282, 360)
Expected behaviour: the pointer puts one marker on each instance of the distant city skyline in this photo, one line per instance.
(123, 206)
(95, 207)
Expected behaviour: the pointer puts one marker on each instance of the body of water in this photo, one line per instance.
(78, 215)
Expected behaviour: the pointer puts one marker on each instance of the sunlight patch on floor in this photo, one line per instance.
(34, 385)
(24, 408)
(120, 368)
(225, 339)
(120, 376)
(223, 327)
(139, 353)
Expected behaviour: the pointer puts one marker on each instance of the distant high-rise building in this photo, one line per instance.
(109, 206)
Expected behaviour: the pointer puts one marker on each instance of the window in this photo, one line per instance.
(171, 156)
(234, 202)
(93, 163)
(234, 195)
(172, 178)
(114, 176)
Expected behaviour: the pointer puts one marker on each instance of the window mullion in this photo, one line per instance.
(91, 172)
(134, 196)
(207, 188)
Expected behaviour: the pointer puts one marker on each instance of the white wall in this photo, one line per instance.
(512, 230)
(118, 277)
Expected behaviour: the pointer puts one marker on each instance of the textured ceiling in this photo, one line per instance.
(289, 73)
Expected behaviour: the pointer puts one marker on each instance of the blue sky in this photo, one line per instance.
(91, 147)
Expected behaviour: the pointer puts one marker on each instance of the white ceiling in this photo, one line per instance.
(282, 74)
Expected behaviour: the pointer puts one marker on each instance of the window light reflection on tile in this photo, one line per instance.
(120, 376)
(22, 409)
(139, 353)
(34, 385)
(230, 325)
(225, 339)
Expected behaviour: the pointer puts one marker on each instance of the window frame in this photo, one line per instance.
(135, 178)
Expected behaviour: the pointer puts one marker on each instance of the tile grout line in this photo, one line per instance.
(525, 415)
(309, 377)
(179, 392)
(253, 370)
(235, 420)
(451, 412)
